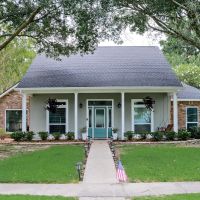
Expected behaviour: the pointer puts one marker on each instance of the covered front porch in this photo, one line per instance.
(99, 111)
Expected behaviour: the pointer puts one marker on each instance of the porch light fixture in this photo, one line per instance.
(119, 105)
(148, 101)
(80, 105)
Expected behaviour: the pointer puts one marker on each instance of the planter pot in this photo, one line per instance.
(149, 136)
(136, 136)
(114, 136)
(63, 137)
(84, 136)
(50, 137)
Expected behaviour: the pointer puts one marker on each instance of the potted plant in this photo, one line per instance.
(84, 133)
(114, 133)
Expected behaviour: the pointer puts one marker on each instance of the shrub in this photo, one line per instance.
(143, 135)
(157, 136)
(170, 135)
(195, 132)
(183, 134)
(43, 135)
(56, 136)
(70, 135)
(3, 134)
(129, 135)
(17, 136)
(28, 135)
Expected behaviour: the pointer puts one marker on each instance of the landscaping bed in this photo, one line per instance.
(167, 162)
(51, 164)
(171, 197)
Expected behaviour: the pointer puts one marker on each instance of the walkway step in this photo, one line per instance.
(100, 167)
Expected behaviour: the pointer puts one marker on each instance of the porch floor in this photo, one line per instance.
(100, 166)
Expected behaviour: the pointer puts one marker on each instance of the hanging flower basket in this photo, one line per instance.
(149, 102)
(52, 105)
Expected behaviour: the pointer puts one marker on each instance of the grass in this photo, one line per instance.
(172, 197)
(160, 163)
(27, 197)
(52, 165)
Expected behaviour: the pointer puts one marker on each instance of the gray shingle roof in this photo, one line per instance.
(188, 92)
(108, 66)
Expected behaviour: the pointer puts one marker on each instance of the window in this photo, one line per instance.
(142, 117)
(13, 120)
(191, 117)
(57, 121)
(100, 118)
(110, 117)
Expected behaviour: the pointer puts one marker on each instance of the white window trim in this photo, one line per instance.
(186, 122)
(87, 114)
(133, 101)
(12, 109)
(66, 106)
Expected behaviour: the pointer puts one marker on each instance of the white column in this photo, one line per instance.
(175, 112)
(122, 114)
(24, 112)
(76, 115)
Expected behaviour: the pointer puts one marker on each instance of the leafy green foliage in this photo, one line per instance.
(157, 136)
(188, 73)
(17, 136)
(170, 135)
(185, 60)
(14, 62)
(43, 135)
(129, 135)
(60, 27)
(70, 135)
(56, 136)
(29, 135)
(149, 163)
(195, 132)
(53, 165)
(183, 134)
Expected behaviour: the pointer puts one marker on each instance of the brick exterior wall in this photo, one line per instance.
(12, 100)
(182, 105)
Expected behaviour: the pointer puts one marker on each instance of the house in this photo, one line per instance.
(100, 91)
(188, 107)
(11, 110)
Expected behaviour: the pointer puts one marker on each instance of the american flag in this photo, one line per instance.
(121, 174)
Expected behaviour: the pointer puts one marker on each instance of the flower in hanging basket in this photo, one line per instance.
(52, 105)
(148, 101)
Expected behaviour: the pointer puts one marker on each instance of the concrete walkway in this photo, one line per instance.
(100, 166)
(104, 191)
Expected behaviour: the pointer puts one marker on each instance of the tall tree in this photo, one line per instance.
(14, 61)
(64, 27)
(184, 58)
(59, 27)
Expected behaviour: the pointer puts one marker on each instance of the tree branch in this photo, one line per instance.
(21, 28)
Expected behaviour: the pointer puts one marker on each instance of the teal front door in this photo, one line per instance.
(100, 126)
(100, 122)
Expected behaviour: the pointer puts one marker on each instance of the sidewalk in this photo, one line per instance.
(100, 166)
(102, 190)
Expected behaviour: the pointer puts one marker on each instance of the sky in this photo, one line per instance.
(133, 39)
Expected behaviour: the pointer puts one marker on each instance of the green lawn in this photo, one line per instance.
(172, 197)
(27, 197)
(160, 163)
(55, 164)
